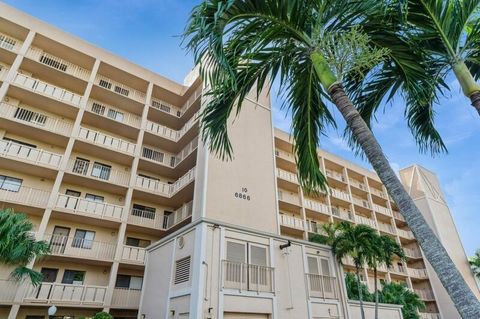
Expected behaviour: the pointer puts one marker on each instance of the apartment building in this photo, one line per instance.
(104, 158)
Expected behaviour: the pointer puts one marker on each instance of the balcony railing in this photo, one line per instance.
(287, 197)
(397, 269)
(168, 133)
(288, 176)
(113, 113)
(84, 206)
(285, 155)
(424, 294)
(153, 220)
(133, 254)
(429, 315)
(57, 293)
(3, 72)
(26, 195)
(386, 228)
(57, 63)
(340, 194)
(381, 209)
(358, 184)
(195, 95)
(8, 291)
(96, 171)
(322, 286)
(342, 213)
(417, 273)
(9, 43)
(162, 188)
(126, 298)
(247, 277)
(28, 154)
(107, 141)
(398, 216)
(361, 202)
(119, 88)
(47, 89)
(292, 222)
(315, 228)
(377, 192)
(405, 233)
(335, 175)
(412, 252)
(159, 156)
(365, 221)
(316, 206)
(165, 107)
(80, 247)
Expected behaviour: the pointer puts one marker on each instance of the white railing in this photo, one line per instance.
(97, 171)
(340, 194)
(358, 184)
(163, 188)
(80, 247)
(133, 254)
(126, 298)
(247, 277)
(397, 215)
(8, 291)
(322, 286)
(105, 140)
(187, 150)
(119, 88)
(165, 107)
(361, 202)
(180, 214)
(168, 133)
(386, 228)
(424, 294)
(79, 205)
(364, 220)
(26, 195)
(417, 273)
(412, 252)
(342, 213)
(3, 72)
(429, 315)
(316, 206)
(57, 63)
(113, 113)
(29, 154)
(9, 43)
(158, 221)
(315, 227)
(47, 89)
(53, 292)
(285, 196)
(377, 192)
(335, 175)
(195, 95)
(288, 176)
(405, 233)
(160, 156)
(285, 155)
(292, 222)
(397, 269)
(381, 209)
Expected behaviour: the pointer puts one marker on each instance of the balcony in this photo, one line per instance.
(81, 248)
(168, 133)
(316, 228)
(47, 89)
(165, 107)
(386, 228)
(65, 294)
(119, 88)
(8, 291)
(162, 188)
(316, 206)
(157, 221)
(361, 202)
(377, 192)
(126, 298)
(424, 294)
(26, 196)
(9, 43)
(429, 315)
(342, 213)
(3, 72)
(159, 156)
(324, 287)
(288, 197)
(97, 171)
(398, 216)
(398, 269)
(405, 234)
(340, 194)
(107, 141)
(292, 222)
(358, 184)
(191, 100)
(417, 273)
(284, 155)
(113, 113)
(247, 277)
(288, 176)
(57, 63)
(336, 175)
(134, 255)
(19, 152)
(365, 221)
(381, 210)
(412, 252)
(35, 119)
(83, 206)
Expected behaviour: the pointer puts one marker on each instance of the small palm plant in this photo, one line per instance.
(399, 294)
(18, 246)
(475, 264)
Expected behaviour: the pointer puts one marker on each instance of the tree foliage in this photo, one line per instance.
(475, 264)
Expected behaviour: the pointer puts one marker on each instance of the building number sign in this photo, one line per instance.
(243, 194)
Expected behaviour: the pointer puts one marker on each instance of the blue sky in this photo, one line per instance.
(122, 26)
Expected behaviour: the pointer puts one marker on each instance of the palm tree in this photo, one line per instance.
(309, 46)
(18, 246)
(475, 264)
(394, 293)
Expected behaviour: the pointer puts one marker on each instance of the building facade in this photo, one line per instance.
(104, 158)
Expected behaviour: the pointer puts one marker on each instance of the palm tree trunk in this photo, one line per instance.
(465, 301)
(376, 291)
(360, 297)
(475, 98)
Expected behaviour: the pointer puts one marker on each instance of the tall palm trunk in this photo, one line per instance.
(376, 291)
(475, 98)
(465, 301)
(468, 84)
(360, 295)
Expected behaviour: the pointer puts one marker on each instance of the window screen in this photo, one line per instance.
(258, 255)
(312, 265)
(236, 252)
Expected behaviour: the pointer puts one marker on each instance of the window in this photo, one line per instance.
(20, 142)
(94, 198)
(75, 277)
(81, 166)
(49, 274)
(115, 115)
(121, 90)
(83, 239)
(152, 154)
(73, 193)
(101, 171)
(167, 219)
(105, 84)
(137, 242)
(98, 108)
(127, 281)
(182, 270)
(30, 116)
(11, 184)
(236, 252)
(53, 63)
(143, 211)
(172, 161)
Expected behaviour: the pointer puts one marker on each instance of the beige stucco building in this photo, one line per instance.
(104, 158)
